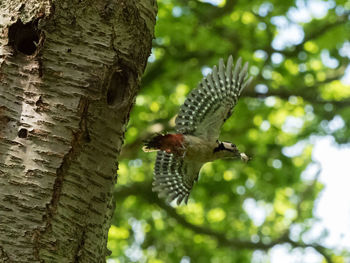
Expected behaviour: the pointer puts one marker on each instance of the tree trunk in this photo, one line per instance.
(69, 73)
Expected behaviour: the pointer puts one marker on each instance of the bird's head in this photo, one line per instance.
(229, 150)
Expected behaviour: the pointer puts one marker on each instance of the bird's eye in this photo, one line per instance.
(233, 145)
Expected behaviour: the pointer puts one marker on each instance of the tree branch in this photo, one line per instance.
(144, 190)
(285, 95)
(317, 32)
(207, 12)
(309, 96)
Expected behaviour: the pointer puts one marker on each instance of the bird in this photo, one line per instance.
(181, 155)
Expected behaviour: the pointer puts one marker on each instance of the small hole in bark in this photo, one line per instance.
(24, 37)
(69, 50)
(39, 101)
(41, 105)
(117, 87)
(23, 133)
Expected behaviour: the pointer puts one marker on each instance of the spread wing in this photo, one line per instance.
(208, 106)
(174, 178)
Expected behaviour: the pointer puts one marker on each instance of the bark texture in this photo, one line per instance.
(69, 73)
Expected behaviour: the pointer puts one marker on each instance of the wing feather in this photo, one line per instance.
(211, 103)
(173, 179)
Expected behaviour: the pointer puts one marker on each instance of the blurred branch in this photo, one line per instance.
(310, 96)
(207, 12)
(316, 32)
(143, 190)
(309, 190)
(306, 92)
(219, 12)
(157, 68)
(285, 95)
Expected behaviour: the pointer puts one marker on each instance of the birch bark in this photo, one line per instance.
(69, 73)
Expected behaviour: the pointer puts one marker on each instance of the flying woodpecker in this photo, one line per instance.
(182, 154)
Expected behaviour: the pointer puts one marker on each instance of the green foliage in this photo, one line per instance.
(304, 94)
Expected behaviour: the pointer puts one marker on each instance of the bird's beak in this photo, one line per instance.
(244, 157)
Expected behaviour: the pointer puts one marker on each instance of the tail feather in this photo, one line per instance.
(146, 149)
(171, 143)
(153, 144)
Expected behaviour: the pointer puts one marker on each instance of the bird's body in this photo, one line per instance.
(193, 148)
(182, 154)
(199, 150)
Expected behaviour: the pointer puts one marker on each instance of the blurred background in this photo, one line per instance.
(291, 203)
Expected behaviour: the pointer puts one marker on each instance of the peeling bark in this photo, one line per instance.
(69, 73)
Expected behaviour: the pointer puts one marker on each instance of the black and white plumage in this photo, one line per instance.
(170, 181)
(208, 106)
(181, 155)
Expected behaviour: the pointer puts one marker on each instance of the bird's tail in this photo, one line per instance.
(153, 144)
(168, 142)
